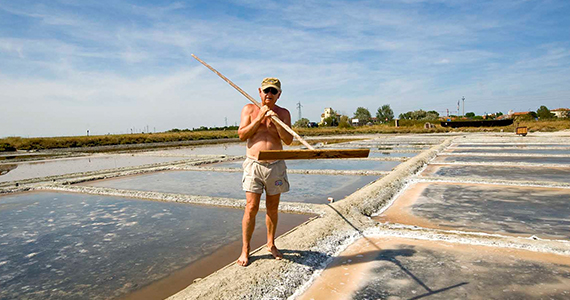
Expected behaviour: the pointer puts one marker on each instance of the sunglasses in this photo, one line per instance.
(271, 90)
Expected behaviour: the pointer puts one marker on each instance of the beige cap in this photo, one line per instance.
(271, 82)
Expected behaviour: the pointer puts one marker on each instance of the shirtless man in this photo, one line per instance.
(262, 134)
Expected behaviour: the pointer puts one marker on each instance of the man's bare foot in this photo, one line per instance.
(275, 252)
(243, 259)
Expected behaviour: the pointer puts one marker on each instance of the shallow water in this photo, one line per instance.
(502, 145)
(516, 210)
(45, 168)
(221, 149)
(304, 188)
(230, 149)
(74, 246)
(506, 173)
(326, 164)
(515, 150)
(513, 159)
(393, 154)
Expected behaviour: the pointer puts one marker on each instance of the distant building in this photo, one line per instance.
(513, 115)
(329, 113)
(561, 112)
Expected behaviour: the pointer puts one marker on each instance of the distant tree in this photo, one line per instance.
(344, 122)
(419, 114)
(406, 116)
(470, 114)
(363, 115)
(330, 121)
(432, 115)
(303, 122)
(6, 147)
(544, 113)
(385, 114)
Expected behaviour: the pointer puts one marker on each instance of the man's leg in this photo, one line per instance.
(271, 218)
(248, 225)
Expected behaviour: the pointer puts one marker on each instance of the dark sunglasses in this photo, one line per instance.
(271, 90)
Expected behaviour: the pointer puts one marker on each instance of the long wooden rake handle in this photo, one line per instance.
(273, 118)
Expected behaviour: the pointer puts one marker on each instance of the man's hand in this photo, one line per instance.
(265, 111)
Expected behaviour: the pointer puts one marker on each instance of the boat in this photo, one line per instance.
(477, 123)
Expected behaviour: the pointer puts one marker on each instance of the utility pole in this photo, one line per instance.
(226, 119)
(463, 98)
(299, 108)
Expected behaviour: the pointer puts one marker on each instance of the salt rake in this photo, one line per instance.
(311, 153)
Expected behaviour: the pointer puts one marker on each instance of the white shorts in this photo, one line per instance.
(271, 177)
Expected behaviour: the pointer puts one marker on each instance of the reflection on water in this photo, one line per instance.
(73, 246)
(220, 149)
(304, 188)
(514, 150)
(506, 173)
(28, 170)
(392, 154)
(513, 159)
(503, 145)
(326, 164)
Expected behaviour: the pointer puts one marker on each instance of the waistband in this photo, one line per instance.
(247, 158)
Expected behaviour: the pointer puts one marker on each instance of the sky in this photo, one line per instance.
(110, 67)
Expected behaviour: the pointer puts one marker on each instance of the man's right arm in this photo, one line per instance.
(247, 126)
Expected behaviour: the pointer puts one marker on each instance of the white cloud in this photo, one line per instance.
(81, 66)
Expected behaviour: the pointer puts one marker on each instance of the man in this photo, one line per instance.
(262, 134)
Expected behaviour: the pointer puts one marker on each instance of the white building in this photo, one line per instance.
(329, 112)
(561, 112)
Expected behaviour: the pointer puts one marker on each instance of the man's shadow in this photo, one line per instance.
(318, 260)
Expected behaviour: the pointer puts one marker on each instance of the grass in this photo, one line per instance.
(406, 126)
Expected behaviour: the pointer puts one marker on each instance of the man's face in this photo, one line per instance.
(269, 96)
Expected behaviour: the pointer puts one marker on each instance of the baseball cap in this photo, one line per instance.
(271, 82)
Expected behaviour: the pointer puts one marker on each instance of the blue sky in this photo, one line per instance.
(67, 66)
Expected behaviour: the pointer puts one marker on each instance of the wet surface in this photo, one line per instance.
(525, 211)
(28, 170)
(392, 154)
(500, 172)
(326, 164)
(397, 268)
(304, 188)
(511, 159)
(221, 149)
(514, 151)
(504, 145)
(74, 246)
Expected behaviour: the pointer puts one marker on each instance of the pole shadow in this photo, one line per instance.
(390, 255)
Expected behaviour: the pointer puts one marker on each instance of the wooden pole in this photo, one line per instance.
(273, 118)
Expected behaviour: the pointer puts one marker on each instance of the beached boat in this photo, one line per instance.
(477, 123)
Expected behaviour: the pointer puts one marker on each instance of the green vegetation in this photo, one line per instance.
(176, 135)
(544, 113)
(344, 122)
(420, 115)
(303, 122)
(385, 114)
(119, 139)
(363, 115)
(4, 146)
(330, 121)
